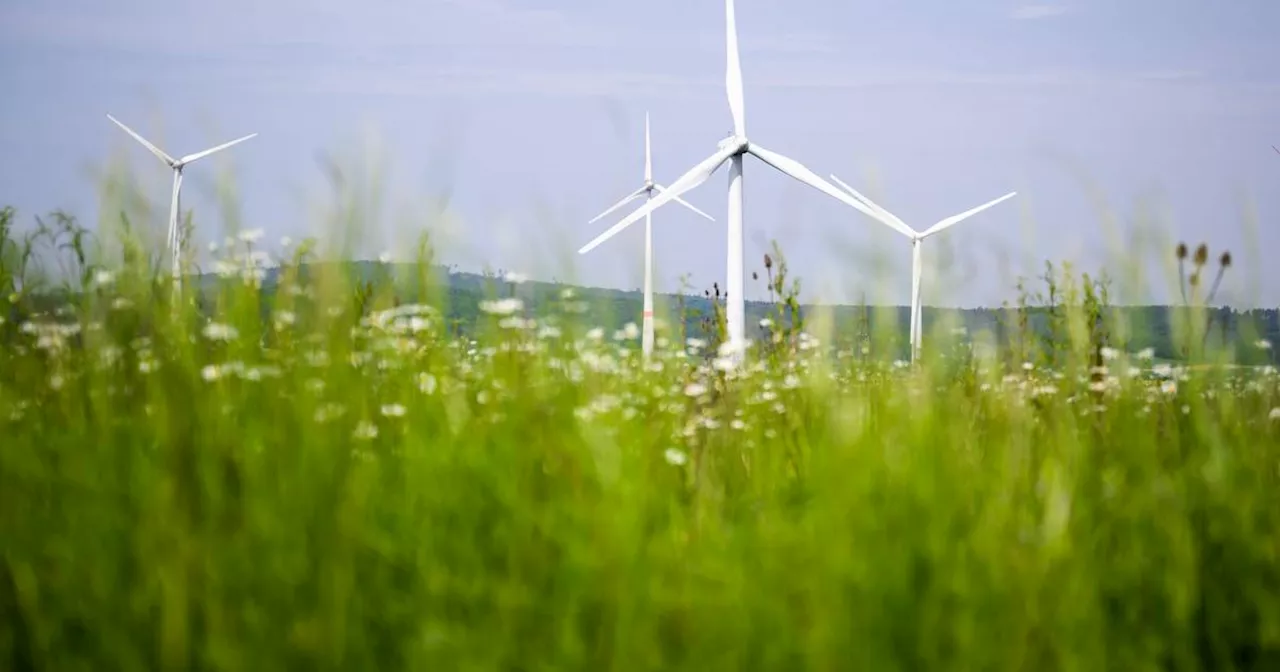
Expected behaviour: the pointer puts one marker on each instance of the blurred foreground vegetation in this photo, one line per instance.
(367, 468)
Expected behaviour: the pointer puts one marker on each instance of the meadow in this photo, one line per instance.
(334, 474)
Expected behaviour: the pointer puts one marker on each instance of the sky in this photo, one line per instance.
(500, 127)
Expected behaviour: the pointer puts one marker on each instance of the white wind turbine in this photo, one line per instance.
(732, 149)
(648, 189)
(175, 246)
(917, 237)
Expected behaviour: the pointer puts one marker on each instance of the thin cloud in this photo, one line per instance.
(1039, 11)
(1171, 75)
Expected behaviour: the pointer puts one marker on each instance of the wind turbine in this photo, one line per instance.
(917, 237)
(648, 189)
(732, 150)
(175, 247)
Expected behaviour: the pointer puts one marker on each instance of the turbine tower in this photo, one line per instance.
(917, 237)
(732, 150)
(174, 244)
(648, 189)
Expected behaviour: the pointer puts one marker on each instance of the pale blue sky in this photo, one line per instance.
(528, 113)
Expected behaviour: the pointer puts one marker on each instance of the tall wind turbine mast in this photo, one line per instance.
(173, 242)
(648, 189)
(732, 150)
(917, 237)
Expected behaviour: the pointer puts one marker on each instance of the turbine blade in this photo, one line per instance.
(696, 176)
(799, 172)
(154, 150)
(951, 221)
(683, 202)
(868, 202)
(200, 155)
(733, 70)
(648, 155)
(625, 200)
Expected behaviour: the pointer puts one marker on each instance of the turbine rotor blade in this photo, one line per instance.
(869, 203)
(797, 171)
(648, 155)
(683, 202)
(154, 150)
(733, 70)
(200, 155)
(696, 176)
(951, 221)
(625, 200)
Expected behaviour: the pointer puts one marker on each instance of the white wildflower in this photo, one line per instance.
(220, 332)
(366, 431)
(427, 383)
(502, 306)
(724, 364)
(393, 410)
(250, 236)
(211, 373)
(695, 389)
(675, 457)
(515, 278)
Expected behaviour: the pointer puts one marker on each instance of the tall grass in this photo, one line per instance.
(325, 478)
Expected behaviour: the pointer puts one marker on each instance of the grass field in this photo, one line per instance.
(331, 481)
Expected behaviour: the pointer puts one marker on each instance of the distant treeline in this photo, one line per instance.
(1147, 326)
